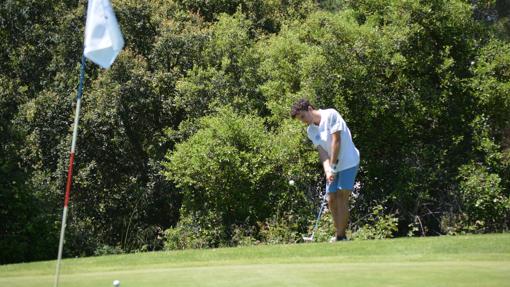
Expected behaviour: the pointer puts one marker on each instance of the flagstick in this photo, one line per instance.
(70, 169)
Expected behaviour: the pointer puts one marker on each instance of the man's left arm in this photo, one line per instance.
(335, 150)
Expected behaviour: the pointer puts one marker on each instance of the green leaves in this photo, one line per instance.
(234, 167)
(483, 198)
(223, 165)
(190, 127)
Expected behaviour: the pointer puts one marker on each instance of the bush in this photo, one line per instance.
(378, 225)
(458, 223)
(483, 200)
(235, 168)
(325, 229)
(108, 250)
(280, 230)
(224, 169)
(202, 230)
(423, 86)
(243, 235)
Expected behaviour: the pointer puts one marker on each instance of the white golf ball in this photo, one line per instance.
(116, 283)
(291, 182)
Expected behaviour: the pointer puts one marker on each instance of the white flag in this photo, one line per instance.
(103, 39)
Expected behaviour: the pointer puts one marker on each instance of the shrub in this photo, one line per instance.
(243, 235)
(195, 231)
(107, 250)
(325, 229)
(280, 230)
(234, 167)
(378, 225)
(483, 200)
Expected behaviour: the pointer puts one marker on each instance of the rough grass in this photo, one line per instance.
(474, 260)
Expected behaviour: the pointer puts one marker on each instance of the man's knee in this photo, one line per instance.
(332, 198)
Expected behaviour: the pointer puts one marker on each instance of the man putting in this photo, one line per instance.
(340, 158)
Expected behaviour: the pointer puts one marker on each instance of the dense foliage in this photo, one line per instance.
(186, 141)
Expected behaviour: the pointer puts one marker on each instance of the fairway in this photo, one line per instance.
(474, 260)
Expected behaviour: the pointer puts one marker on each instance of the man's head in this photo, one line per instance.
(302, 110)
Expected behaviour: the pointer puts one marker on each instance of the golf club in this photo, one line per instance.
(323, 205)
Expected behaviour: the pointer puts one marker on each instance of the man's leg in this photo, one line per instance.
(333, 207)
(339, 211)
(342, 212)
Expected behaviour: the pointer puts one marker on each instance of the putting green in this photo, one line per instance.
(476, 260)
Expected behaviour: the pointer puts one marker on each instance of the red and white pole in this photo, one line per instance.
(70, 170)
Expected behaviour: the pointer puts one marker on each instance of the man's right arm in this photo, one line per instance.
(325, 164)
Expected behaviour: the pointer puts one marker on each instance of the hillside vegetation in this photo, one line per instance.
(186, 141)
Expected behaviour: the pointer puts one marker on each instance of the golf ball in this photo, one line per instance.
(291, 182)
(116, 283)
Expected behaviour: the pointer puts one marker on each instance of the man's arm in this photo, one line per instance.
(326, 164)
(324, 158)
(335, 149)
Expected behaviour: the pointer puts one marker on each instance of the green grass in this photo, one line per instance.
(474, 260)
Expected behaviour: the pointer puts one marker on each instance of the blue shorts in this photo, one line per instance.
(344, 179)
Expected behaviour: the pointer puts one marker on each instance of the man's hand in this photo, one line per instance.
(330, 176)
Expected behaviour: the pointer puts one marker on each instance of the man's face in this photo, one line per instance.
(305, 117)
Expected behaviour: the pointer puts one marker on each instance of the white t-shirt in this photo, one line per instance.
(321, 135)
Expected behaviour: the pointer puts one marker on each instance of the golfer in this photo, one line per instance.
(339, 156)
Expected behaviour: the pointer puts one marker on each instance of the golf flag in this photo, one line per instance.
(103, 42)
(103, 39)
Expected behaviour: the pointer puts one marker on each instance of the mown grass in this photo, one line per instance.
(474, 260)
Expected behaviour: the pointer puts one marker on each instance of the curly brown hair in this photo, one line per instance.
(301, 105)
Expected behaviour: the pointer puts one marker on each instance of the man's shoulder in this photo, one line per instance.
(330, 111)
(332, 116)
